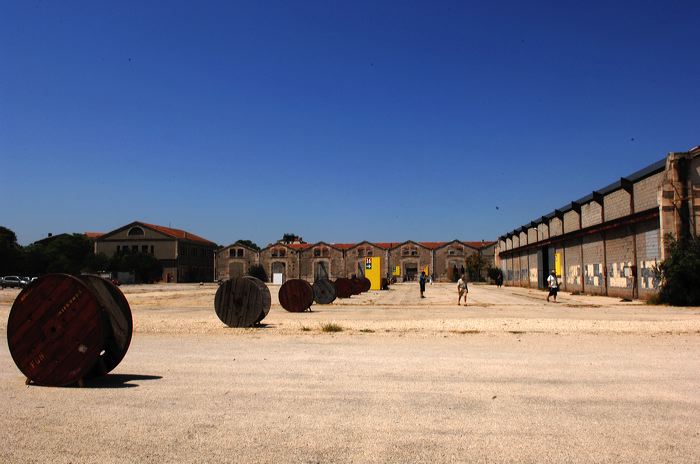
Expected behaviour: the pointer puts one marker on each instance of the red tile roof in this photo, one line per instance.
(298, 246)
(433, 245)
(94, 234)
(477, 245)
(343, 246)
(177, 233)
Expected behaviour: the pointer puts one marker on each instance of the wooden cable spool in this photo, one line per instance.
(366, 284)
(357, 285)
(324, 291)
(343, 287)
(296, 295)
(62, 329)
(242, 302)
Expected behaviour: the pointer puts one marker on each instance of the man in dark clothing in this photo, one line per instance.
(421, 282)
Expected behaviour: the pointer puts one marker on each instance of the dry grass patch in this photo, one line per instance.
(331, 327)
(466, 331)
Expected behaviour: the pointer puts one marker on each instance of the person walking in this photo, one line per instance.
(462, 289)
(553, 285)
(421, 283)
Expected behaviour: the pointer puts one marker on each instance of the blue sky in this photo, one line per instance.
(338, 121)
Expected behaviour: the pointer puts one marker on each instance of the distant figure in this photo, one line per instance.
(499, 279)
(421, 283)
(553, 285)
(462, 289)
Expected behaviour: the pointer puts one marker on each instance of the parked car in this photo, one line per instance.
(13, 281)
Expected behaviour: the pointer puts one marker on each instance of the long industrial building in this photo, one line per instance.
(444, 261)
(610, 241)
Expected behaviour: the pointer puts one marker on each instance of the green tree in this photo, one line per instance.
(249, 244)
(475, 265)
(494, 273)
(680, 273)
(146, 267)
(258, 271)
(10, 252)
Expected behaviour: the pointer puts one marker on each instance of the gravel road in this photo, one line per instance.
(509, 379)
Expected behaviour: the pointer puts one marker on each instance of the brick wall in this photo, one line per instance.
(619, 245)
(532, 271)
(570, 221)
(617, 205)
(531, 235)
(574, 271)
(542, 232)
(648, 256)
(591, 214)
(593, 265)
(555, 227)
(646, 192)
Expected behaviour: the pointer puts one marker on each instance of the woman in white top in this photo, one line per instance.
(462, 289)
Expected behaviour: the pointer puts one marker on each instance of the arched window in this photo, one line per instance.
(135, 231)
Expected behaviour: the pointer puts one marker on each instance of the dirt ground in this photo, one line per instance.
(509, 378)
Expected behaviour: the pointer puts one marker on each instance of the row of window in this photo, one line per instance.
(134, 249)
(194, 251)
(361, 252)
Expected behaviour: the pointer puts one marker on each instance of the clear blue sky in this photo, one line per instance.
(338, 121)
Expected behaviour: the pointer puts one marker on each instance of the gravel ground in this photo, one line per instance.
(507, 379)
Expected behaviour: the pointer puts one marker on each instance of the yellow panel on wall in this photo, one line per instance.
(557, 264)
(373, 271)
(397, 271)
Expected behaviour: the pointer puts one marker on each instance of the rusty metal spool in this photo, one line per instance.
(242, 302)
(385, 283)
(357, 285)
(63, 329)
(366, 284)
(324, 291)
(296, 295)
(343, 287)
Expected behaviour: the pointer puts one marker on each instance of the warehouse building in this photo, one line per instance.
(445, 261)
(185, 257)
(610, 241)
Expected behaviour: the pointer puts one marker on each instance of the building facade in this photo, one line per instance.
(185, 257)
(610, 241)
(445, 261)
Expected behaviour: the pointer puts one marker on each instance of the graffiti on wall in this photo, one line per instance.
(594, 275)
(647, 275)
(621, 275)
(533, 275)
(573, 276)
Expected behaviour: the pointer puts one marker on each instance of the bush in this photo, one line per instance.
(680, 273)
(257, 271)
(494, 273)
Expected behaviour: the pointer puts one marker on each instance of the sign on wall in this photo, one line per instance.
(373, 271)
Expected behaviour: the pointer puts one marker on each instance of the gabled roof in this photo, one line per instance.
(167, 231)
(432, 245)
(94, 235)
(479, 245)
(343, 246)
(177, 233)
(299, 246)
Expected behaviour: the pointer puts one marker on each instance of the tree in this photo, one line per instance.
(475, 264)
(146, 267)
(291, 238)
(680, 273)
(257, 271)
(249, 244)
(494, 273)
(10, 252)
